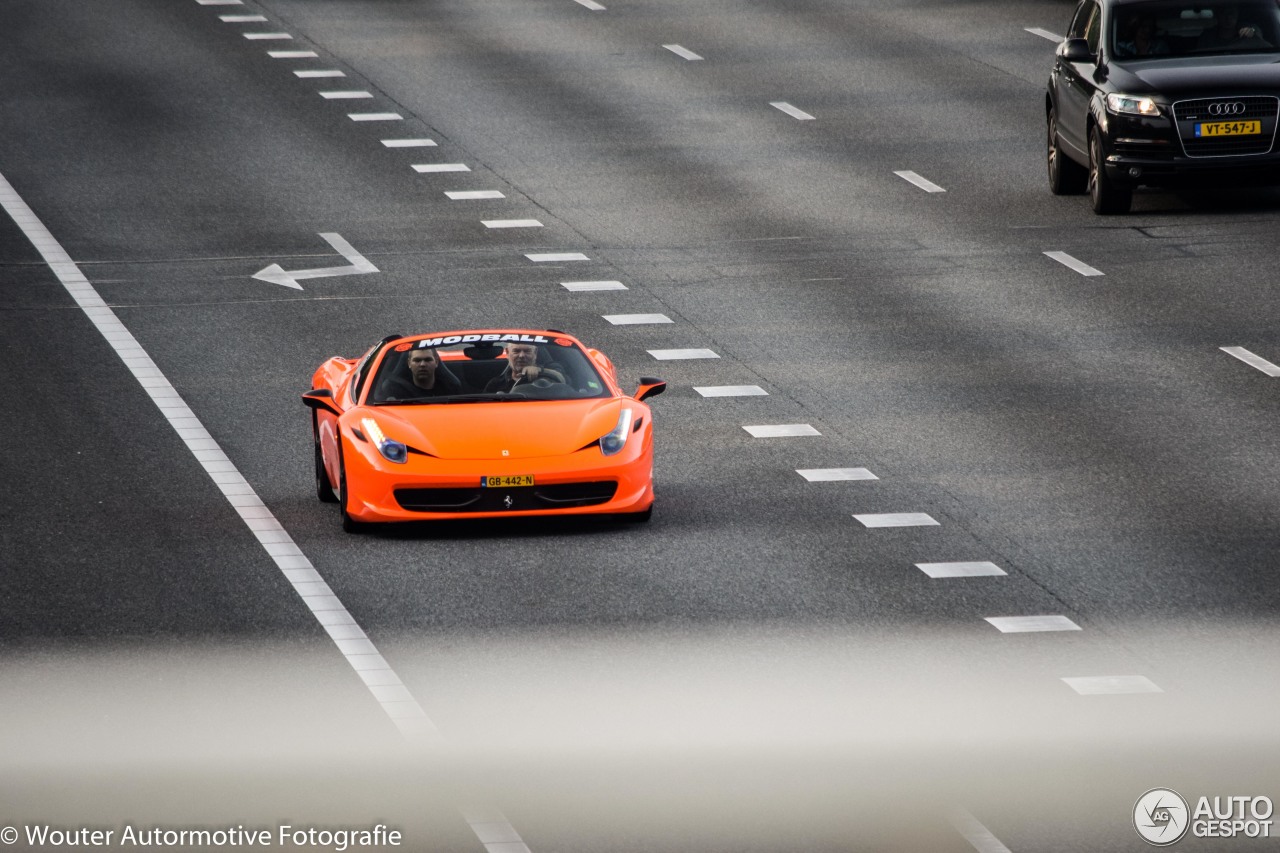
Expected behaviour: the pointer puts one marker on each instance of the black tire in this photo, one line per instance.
(324, 490)
(1107, 197)
(639, 517)
(349, 524)
(1066, 176)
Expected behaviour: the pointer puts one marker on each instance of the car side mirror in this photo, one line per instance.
(321, 398)
(1077, 50)
(650, 387)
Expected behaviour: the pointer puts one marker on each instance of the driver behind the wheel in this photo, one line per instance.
(522, 368)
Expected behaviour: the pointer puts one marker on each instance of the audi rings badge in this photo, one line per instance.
(1226, 108)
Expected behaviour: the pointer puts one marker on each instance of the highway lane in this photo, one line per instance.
(924, 336)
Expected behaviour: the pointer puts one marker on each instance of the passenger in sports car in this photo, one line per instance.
(522, 366)
(427, 378)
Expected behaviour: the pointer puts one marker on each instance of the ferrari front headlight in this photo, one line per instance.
(391, 450)
(616, 439)
(1137, 105)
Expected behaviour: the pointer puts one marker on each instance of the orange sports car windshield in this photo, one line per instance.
(485, 367)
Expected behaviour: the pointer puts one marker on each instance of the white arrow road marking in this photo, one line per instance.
(277, 275)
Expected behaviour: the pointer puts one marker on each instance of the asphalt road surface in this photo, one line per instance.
(841, 205)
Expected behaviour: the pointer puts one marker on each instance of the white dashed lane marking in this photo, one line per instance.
(681, 354)
(292, 54)
(1072, 263)
(591, 4)
(425, 168)
(636, 319)
(731, 391)
(926, 185)
(511, 223)
(798, 114)
(896, 519)
(553, 257)
(1252, 360)
(1031, 624)
(465, 195)
(1044, 34)
(1107, 685)
(220, 2)
(268, 36)
(318, 74)
(375, 116)
(780, 430)
(683, 52)
(585, 286)
(243, 19)
(345, 96)
(409, 143)
(832, 475)
(961, 570)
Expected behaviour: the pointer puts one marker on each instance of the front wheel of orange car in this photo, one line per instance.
(349, 524)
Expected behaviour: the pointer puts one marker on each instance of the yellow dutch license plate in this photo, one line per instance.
(508, 481)
(1229, 128)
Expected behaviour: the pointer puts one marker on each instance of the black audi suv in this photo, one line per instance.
(1163, 93)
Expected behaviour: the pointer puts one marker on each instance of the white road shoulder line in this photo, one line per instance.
(1044, 34)
(975, 833)
(961, 570)
(832, 475)
(586, 286)
(360, 653)
(683, 52)
(1252, 360)
(1111, 685)
(1077, 265)
(731, 391)
(795, 113)
(922, 183)
(1031, 624)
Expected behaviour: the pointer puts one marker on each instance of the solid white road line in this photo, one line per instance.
(463, 195)
(1252, 360)
(426, 168)
(681, 354)
(375, 116)
(268, 36)
(292, 54)
(780, 430)
(1079, 266)
(1044, 34)
(731, 390)
(795, 113)
(682, 52)
(316, 75)
(585, 286)
(975, 833)
(1108, 685)
(511, 223)
(409, 143)
(345, 96)
(896, 519)
(360, 653)
(832, 475)
(1031, 624)
(961, 570)
(636, 319)
(553, 257)
(926, 185)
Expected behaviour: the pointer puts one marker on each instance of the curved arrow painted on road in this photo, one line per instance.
(358, 266)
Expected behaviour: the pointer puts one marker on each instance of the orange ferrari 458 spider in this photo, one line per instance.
(477, 424)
